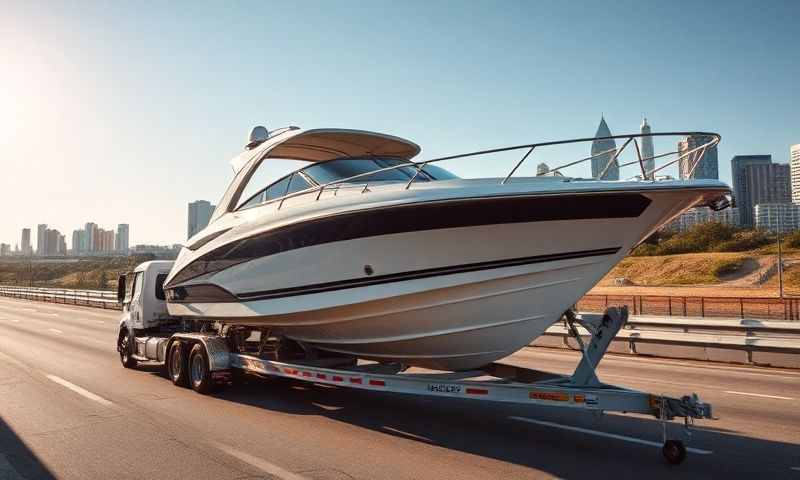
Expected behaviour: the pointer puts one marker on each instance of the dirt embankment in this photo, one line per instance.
(702, 274)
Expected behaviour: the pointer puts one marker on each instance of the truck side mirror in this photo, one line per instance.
(121, 289)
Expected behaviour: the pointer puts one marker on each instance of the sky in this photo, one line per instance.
(123, 112)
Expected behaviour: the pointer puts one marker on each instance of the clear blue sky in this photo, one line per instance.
(125, 111)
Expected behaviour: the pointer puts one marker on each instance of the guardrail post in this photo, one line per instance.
(741, 307)
(684, 306)
(702, 306)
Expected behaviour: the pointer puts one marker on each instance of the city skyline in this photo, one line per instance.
(543, 76)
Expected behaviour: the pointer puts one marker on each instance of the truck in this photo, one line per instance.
(203, 354)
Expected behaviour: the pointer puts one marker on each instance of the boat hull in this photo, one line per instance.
(450, 298)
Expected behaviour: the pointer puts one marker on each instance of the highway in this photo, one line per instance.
(69, 410)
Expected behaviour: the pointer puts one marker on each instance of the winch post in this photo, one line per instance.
(603, 330)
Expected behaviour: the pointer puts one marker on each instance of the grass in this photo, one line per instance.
(686, 269)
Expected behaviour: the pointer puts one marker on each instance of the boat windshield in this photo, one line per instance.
(333, 170)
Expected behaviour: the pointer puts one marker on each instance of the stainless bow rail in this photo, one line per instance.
(707, 140)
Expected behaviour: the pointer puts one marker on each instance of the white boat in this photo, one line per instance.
(365, 253)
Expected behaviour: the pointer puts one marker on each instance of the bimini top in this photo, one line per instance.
(319, 145)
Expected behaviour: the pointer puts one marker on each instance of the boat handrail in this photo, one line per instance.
(695, 155)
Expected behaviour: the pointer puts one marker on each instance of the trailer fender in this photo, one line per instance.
(219, 357)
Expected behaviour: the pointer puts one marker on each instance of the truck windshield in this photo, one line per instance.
(342, 168)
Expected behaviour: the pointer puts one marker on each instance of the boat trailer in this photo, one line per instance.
(500, 382)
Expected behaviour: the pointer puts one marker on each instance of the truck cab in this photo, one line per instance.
(145, 325)
(141, 294)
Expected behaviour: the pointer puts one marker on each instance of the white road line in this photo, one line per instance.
(79, 390)
(15, 320)
(55, 330)
(758, 395)
(796, 469)
(605, 434)
(260, 464)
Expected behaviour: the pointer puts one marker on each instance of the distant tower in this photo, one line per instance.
(600, 161)
(707, 167)
(647, 149)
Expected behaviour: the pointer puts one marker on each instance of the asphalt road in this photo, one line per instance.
(69, 410)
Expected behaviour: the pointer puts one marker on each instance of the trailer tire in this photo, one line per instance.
(177, 365)
(199, 373)
(674, 452)
(124, 347)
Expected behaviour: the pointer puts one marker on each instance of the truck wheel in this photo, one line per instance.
(199, 374)
(124, 347)
(176, 365)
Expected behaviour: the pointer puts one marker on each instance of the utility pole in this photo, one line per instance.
(780, 255)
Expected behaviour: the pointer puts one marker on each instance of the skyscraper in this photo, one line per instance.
(123, 233)
(41, 239)
(26, 241)
(794, 163)
(199, 215)
(89, 237)
(647, 149)
(77, 242)
(741, 195)
(604, 151)
(763, 183)
(707, 167)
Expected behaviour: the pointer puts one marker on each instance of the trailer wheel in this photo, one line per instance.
(124, 347)
(177, 365)
(199, 373)
(674, 451)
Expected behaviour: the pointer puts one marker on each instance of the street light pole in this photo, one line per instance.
(780, 255)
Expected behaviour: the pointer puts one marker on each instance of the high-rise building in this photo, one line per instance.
(763, 183)
(706, 167)
(603, 152)
(52, 242)
(26, 241)
(78, 242)
(794, 163)
(89, 236)
(777, 216)
(123, 234)
(647, 149)
(41, 239)
(740, 193)
(5, 250)
(199, 216)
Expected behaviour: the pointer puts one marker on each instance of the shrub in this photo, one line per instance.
(726, 266)
(744, 241)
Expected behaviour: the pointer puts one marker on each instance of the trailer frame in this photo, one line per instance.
(497, 382)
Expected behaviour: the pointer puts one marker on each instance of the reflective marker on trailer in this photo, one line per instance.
(355, 380)
(337, 378)
(322, 376)
(552, 396)
(377, 383)
(306, 374)
(477, 391)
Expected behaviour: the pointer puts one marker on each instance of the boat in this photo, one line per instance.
(365, 252)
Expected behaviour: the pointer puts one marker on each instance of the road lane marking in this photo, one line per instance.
(625, 438)
(796, 469)
(758, 395)
(14, 361)
(79, 390)
(260, 464)
(55, 330)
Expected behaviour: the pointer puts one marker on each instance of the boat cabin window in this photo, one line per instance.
(342, 168)
(289, 184)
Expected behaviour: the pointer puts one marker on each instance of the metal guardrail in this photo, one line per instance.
(90, 298)
(748, 335)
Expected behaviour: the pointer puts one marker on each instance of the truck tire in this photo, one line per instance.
(199, 374)
(124, 347)
(177, 365)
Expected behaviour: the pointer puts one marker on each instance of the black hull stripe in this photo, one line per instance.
(416, 217)
(417, 274)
